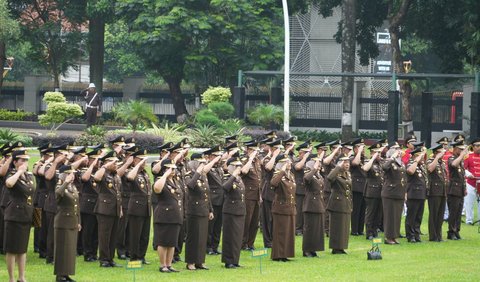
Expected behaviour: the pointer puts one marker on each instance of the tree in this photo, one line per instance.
(206, 41)
(54, 38)
(8, 30)
(59, 111)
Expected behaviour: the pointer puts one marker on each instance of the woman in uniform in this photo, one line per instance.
(283, 210)
(18, 214)
(313, 208)
(199, 211)
(340, 205)
(417, 183)
(393, 193)
(373, 190)
(234, 210)
(437, 192)
(66, 224)
(168, 214)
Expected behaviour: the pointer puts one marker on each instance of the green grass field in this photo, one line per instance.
(431, 261)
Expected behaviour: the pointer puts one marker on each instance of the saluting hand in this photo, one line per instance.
(23, 167)
(237, 171)
(70, 177)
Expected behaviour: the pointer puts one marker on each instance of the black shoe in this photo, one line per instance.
(307, 254)
(361, 233)
(411, 240)
(217, 252)
(145, 262)
(42, 256)
(314, 254)
(237, 265)
(452, 237)
(418, 240)
(354, 234)
(69, 279)
(105, 264)
(277, 259)
(458, 236)
(402, 236)
(61, 279)
(36, 250)
(122, 257)
(229, 265)
(49, 260)
(298, 233)
(114, 264)
(199, 266)
(339, 252)
(164, 270)
(285, 259)
(172, 269)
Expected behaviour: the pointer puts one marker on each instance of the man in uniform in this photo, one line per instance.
(108, 208)
(329, 163)
(139, 206)
(472, 172)
(215, 182)
(409, 140)
(251, 177)
(456, 189)
(298, 166)
(357, 161)
(93, 104)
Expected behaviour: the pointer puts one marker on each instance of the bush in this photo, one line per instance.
(204, 136)
(90, 140)
(18, 115)
(170, 133)
(266, 115)
(55, 140)
(58, 111)
(232, 126)
(216, 94)
(96, 130)
(142, 140)
(7, 135)
(223, 110)
(326, 136)
(206, 117)
(136, 113)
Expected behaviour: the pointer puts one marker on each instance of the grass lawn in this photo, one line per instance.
(432, 261)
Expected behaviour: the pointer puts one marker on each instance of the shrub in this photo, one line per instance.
(206, 117)
(232, 126)
(266, 115)
(223, 110)
(54, 139)
(216, 94)
(142, 140)
(7, 135)
(18, 115)
(260, 133)
(170, 133)
(204, 136)
(58, 111)
(96, 130)
(89, 140)
(136, 113)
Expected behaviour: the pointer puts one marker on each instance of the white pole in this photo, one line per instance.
(286, 75)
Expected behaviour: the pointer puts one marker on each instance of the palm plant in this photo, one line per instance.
(136, 113)
(266, 115)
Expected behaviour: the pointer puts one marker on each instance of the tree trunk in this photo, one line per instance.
(395, 21)
(177, 97)
(96, 51)
(2, 62)
(348, 64)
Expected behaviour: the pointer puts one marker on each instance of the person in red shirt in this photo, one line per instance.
(472, 173)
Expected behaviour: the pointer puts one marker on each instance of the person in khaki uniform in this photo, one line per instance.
(437, 192)
(108, 207)
(199, 211)
(251, 177)
(283, 210)
(417, 183)
(373, 190)
(20, 188)
(139, 207)
(456, 189)
(340, 205)
(393, 193)
(234, 210)
(313, 208)
(66, 224)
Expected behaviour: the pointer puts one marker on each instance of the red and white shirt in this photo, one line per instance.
(472, 166)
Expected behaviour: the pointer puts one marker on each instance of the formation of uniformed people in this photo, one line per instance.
(101, 202)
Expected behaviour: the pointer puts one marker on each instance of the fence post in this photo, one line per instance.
(132, 87)
(239, 101)
(427, 112)
(475, 115)
(392, 123)
(31, 95)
